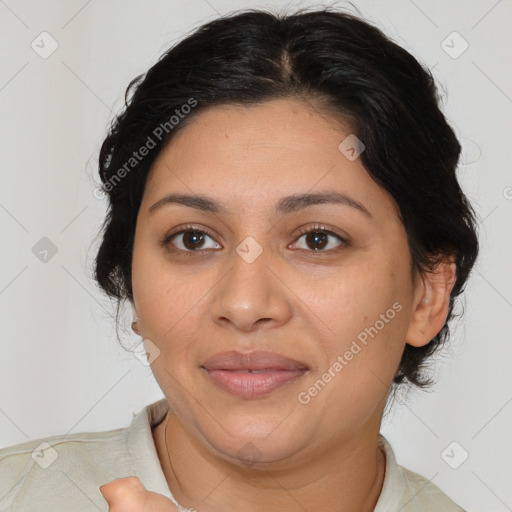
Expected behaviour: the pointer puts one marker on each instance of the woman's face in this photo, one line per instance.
(250, 280)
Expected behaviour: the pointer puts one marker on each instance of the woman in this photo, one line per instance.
(286, 222)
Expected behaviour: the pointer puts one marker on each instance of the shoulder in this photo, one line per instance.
(423, 495)
(407, 491)
(63, 471)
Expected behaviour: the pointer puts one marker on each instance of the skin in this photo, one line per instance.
(129, 495)
(300, 302)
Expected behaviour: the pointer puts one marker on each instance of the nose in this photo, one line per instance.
(252, 294)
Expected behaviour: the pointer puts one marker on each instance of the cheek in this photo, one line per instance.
(169, 302)
(173, 302)
(350, 299)
(170, 305)
(360, 352)
(360, 320)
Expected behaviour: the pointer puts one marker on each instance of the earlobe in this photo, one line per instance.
(135, 326)
(430, 309)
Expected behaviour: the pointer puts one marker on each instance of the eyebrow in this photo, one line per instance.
(284, 206)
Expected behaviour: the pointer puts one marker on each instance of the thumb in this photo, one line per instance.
(129, 495)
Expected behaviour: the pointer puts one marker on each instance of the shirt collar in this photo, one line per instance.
(142, 449)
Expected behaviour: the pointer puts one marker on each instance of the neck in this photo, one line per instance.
(346, 477)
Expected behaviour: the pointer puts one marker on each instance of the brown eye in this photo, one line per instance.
(318, 239)
(193, 240)
(189, 240)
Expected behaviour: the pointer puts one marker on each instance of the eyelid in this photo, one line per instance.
(327, 229)
(190, 227)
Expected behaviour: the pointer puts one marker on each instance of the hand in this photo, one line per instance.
(129, 495)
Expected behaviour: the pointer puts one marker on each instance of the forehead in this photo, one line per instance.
(265, 151)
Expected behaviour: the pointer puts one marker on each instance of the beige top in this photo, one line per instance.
(64, 473)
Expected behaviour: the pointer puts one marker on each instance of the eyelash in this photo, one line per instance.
(317, 228)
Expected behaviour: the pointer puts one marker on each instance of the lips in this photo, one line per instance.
(252, 374)
(253, 361)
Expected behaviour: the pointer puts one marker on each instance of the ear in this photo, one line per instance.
(431, 303)
(135, 324)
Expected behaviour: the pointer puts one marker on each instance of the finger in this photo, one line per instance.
(124, 494)
(129, 495)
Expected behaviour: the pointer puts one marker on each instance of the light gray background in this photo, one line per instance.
(61, 367)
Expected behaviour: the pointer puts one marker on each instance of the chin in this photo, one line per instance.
(255, 444)
(257, 455)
